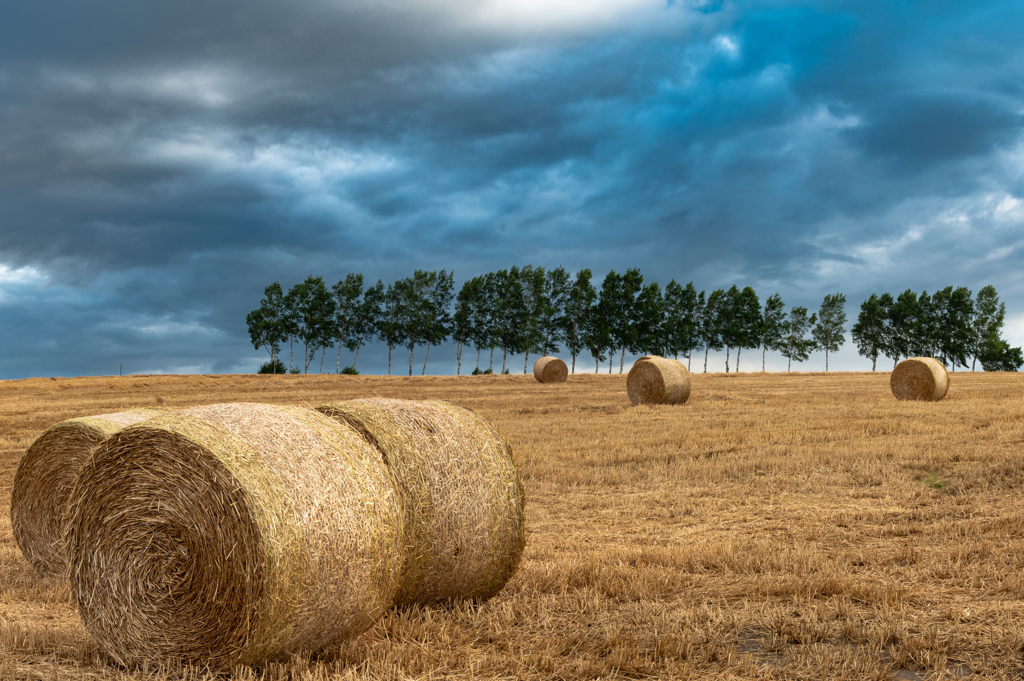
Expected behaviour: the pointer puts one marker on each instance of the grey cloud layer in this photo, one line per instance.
(166, 162)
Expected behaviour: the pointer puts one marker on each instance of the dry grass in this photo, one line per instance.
(773, 527)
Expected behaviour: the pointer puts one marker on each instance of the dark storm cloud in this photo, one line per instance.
(161, 163)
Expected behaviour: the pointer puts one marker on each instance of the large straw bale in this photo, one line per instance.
(44, 478)
(919, 378)
(462, 494)
(232, 533)
(657, 380)
(550, 370)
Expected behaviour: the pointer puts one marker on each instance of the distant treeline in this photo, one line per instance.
(532, 310)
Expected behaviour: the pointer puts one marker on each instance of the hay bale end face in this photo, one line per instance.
(657, 380)
(44, 478)
(919, 378)
(232, 533)
(550, 370)
(461, 491)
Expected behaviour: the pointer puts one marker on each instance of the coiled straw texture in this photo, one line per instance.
(657, 380)
(44, 478)
(919, 378)
(461, 491)
(232, 533)
(550, 370)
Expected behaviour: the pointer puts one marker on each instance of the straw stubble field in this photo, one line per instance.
(774, 527)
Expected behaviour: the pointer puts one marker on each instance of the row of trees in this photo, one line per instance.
(537, 311)
(949, 325)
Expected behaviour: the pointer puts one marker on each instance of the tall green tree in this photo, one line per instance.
(536, 307)
(491, 313)
(683, 319)
(290, 323)
(729, 325)
(953, 332)
(830, 331)
(649, 325)
(347, 293)
(795, 328)
(924, 339)
(869, 332)
(416, 310)
(391, 324)
(902, 324)
(511, 312)
(770, 331)
(580, 300)
(314, 308)
(987, 321)
(463, 319)
(748, 322)
(596, 335)
(557, 287)
(365, 321)
(436, 321)
(711, 323)
(266, 324)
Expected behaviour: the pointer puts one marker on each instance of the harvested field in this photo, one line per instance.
(776, 526)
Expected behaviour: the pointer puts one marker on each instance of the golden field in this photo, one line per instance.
(776, 526)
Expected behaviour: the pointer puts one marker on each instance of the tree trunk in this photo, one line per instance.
(727, 359)
(763, 353)
(526, 362)
(323, 353)
(425, 358)
(458, 359)
(411, 350)
(738, 351)
(706, 350)
(337, 369)
(611, 360)
(826, 360)
(789, 367)
(389, 360)
(574, 364)
(291, 353)
(357, 356)
(504, 356)
(689, 359)
(490, 364)
(478, 359)
(597, 365)
(622, 359)
(874, 360)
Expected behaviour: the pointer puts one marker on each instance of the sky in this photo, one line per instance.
(161, 163)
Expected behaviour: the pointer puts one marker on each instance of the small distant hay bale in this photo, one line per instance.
(550, 370)
(657, 380)
(919, 378)
(231, 534)
(44, 478)
(461, 491)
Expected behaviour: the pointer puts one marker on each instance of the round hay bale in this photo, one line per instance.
(44, 478)
(461, 491)
(231, 534)
(919, 378)
(656, 380)
(550, 370)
